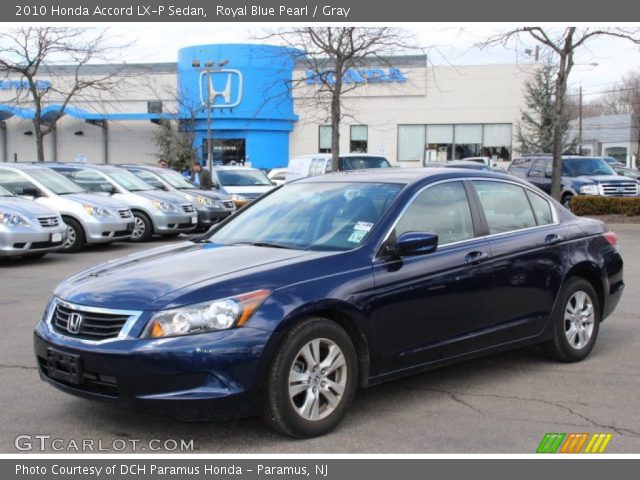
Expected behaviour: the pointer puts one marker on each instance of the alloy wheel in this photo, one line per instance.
(139, 227)
(579, 318)
(317, 379)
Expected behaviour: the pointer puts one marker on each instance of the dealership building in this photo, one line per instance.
(257, 104)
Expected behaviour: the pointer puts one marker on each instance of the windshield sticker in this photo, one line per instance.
(357, 236)
(364, 226)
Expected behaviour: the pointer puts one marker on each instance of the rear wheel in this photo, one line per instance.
(576, 322)
(312, 379)
(142, 228)
(75, 236)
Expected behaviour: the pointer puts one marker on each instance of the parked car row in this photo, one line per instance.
(92, 204)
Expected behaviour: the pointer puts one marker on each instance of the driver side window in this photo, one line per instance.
(442, 209)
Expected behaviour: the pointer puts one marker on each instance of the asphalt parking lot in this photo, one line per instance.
(500, 404)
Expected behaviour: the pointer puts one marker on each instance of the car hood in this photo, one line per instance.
(24, 207)
(96, 199)
(169, 197)
(214, 194)
(144, 281)
(603, 179)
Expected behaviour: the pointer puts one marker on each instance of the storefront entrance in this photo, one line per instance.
(227, 151)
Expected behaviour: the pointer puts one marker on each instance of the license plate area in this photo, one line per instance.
(56, 237)
(194, 220)
(64, 366)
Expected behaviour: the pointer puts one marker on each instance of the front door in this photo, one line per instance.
(226, 151)
(434, 306)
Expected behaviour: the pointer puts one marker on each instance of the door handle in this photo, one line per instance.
(552, 239)
(476, 257)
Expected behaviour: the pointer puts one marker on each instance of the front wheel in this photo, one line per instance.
(312, 380)
(75, 236)
(142, 228)
(576, 322)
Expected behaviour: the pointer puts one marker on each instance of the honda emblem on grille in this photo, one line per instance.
(74, 323)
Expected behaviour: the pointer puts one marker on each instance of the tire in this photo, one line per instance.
(289, 407)
(142, 228)
(576, 322)
(75, 236)
(566, 201)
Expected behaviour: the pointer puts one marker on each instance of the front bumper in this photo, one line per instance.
(208, 216)
(197, 377)
(99, 230)
(23, 241)
(168, 223)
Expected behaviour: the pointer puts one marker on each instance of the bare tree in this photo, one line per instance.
(27, 52)
(563, 43)
(334, 59)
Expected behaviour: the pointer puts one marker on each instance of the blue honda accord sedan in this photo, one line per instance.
(330, 284)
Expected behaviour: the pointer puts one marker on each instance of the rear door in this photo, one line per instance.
(527, 246)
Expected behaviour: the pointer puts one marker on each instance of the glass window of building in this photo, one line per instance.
(359, 139)
(324, 139)
(439, 142)
(497, 141)
(411, 142)
(468, 141)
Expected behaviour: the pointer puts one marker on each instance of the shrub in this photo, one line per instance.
(601, 205)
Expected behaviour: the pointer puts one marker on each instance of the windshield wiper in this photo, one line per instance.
(261, 244)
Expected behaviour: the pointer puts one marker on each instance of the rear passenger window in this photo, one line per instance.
(506, 206)
(541, 208)
(442, 209)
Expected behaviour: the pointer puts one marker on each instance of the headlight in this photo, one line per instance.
(206, 317)
(97, 211)
(164, 206)
(12, 220)
(204, 201)
(589, 190)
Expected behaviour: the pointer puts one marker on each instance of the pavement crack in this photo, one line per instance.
(455, 396)
(23, 367)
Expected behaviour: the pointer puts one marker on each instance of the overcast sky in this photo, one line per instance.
(453, 44)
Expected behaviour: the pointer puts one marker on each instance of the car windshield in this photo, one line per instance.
(129, 181)
(176, 180)
(57, 183)
(576, 167)
(5, 193)
(359, 163)
(310, 216)
(242, 178)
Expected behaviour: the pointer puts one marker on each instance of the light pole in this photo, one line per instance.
(593, 65)
(209, 68)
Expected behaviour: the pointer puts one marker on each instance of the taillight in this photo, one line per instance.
(612, 238)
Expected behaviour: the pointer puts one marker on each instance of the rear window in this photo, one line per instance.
(506, 206)
(359, 163)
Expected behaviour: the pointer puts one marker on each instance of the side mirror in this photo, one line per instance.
(107, 188)
(31, 192)
(548, 174)
(414, 243)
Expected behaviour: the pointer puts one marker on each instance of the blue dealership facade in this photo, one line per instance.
(248, 89)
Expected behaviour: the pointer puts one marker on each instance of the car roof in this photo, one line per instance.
(402, 175)
(235, 167)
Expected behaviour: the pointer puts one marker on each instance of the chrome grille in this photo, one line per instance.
(93, 326)
(620, 189)
(49, 222)
(228, 204)
(187, 207)
(125, 213)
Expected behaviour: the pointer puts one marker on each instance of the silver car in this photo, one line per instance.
(91, 218)
(212, 205)
(27, 228)
(154, 211)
